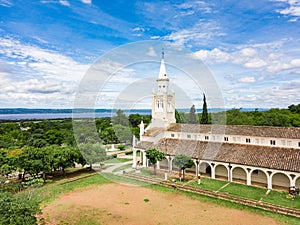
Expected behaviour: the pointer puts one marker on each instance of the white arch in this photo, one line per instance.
(281, 172)
(222, 164)
(240, 167)
(268, 181)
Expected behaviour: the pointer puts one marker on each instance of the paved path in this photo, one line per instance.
(112, 166)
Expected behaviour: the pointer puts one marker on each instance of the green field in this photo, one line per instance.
(77, 180)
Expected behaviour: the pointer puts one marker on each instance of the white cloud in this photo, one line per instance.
(267, 57)
(293, 8)
(43, 62)
(215, 55)
(138, 29)
(151, 52)
(247, 79)
(64, 2)
(154, 37)
(86, 1)
(199, 33)
(36, 92)
(255, 63)
(6, 3)
(278, 65)
(249, 52)
(293, 20)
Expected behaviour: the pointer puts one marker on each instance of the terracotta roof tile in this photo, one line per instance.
(256, 131)
(252, 155)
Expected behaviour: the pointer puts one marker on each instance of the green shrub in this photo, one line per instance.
(18, 210)
(121, 147)
(128, 153)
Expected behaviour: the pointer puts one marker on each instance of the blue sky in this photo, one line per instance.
(252, 48)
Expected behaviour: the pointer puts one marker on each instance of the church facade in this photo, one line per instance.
(253, 155)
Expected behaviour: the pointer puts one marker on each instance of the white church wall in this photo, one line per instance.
(236, 139)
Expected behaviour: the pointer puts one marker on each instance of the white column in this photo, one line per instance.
(269, 179)
(157, 165)
(213, 171)
(248, 174)
(197, 167)
(293, 181)
(134, 158)
(229, 173)
(170, 160)
(144, 158)
(133, 141)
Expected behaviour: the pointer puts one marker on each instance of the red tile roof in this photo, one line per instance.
(259, 156)
(254, 131)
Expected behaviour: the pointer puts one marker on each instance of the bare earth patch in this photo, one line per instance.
(131, 205)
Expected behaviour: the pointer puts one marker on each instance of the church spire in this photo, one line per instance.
(162, 71)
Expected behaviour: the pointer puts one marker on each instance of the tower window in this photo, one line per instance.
(225, 138)
(206, 137)
(272, 142)
(172, 135)
(188, 136)
(248, 140)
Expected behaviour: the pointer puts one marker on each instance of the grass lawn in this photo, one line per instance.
(208, 183)
(122, 168)
(281, 218)
(53, 190)
(241, 190)
(279, 198)
(117, 160)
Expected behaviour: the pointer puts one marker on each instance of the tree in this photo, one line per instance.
(154, 155)
(177, 116)
(36, 160)
(204, 118)
(135, 119)
(183, 162)
(54, 137)
(92, 153)
(65, 157)
(18, 209)
(123, 133)
(108, 136)
(121, 118)
(7, 162)
(294, 108)
(192, 115)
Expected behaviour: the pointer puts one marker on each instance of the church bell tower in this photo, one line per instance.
(163, 102)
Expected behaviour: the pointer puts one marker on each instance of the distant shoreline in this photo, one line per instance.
(31, 114)
(126, 111)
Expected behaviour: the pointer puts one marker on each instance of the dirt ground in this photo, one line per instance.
(131, 205)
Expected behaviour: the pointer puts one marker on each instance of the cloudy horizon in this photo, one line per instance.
(250, 47)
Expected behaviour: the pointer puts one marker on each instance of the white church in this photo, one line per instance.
(253, 155)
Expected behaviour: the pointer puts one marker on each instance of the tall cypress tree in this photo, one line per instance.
(177, 116)
(204, 118)
(192, 115)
